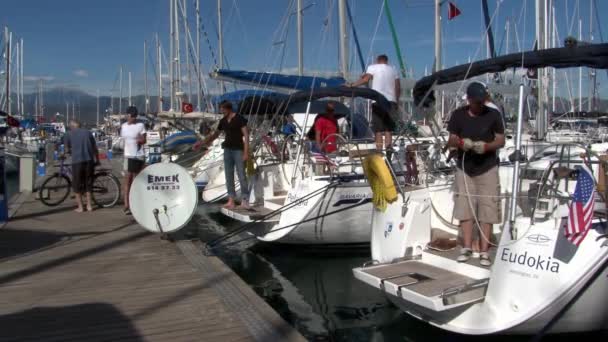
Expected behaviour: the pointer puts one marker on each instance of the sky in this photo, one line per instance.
(82, 44)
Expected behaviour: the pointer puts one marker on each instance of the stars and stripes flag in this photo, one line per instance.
(580, 211)
(320, 158)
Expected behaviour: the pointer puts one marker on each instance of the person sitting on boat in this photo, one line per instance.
(133, 134)
(324, 130)
(236, 152)
(477, 131)
(289, 127)
(385, 80)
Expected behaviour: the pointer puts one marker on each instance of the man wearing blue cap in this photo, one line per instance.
(477, 131)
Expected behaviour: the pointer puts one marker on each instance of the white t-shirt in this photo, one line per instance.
(129, 134)
(383, 80)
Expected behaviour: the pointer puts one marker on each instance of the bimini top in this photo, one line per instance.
(340, 91)
(274, 80)
(592, 56)
(239, 95)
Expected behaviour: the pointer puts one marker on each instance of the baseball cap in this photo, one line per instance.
(477, 91)
(132, 111)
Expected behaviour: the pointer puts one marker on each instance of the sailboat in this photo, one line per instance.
(540, 281)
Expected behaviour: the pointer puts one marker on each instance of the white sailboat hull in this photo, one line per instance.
(314, 221)
(531, 280)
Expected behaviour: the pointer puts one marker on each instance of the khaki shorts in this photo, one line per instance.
(484, 192)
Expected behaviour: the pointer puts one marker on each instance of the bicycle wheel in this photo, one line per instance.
(55, 190)
(106, 190)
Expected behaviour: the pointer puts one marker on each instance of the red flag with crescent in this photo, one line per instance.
(187, 107)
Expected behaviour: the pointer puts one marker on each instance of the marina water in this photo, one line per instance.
(313, 289)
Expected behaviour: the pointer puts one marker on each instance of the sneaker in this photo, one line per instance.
(127, 211)
(484, 259)
(465, 255)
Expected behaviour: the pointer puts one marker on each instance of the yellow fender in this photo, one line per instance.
(381, 181)
(250, 166)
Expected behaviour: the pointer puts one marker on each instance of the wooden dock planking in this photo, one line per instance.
(100, 277)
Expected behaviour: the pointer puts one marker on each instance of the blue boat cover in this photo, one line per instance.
(179, 139)
(267, 79)
(240, 95)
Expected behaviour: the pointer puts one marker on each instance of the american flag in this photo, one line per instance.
(581, 209)
(320, 158)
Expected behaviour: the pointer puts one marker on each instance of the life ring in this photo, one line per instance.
(380, 180)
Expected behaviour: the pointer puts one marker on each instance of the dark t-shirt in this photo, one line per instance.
(234, 134)
(483, 127)
(81, 144)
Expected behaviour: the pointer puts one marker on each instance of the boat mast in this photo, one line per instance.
(119, 92)
(542, 95)
(198, 55)
(130, 103)
(580, 69)
(299, 16)
(184, 14)
(41, 102)
(18, 82)
(97, 107)
(146, 99)
(590, 100)
(171, 56)
(178, 67)
(220, 37)
(437, 65)
(8, 69)
(343, 38)
(554, 71)
(21, 76)
(508, 26)
(159, 61)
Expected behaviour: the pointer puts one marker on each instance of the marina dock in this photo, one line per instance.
(98, 276)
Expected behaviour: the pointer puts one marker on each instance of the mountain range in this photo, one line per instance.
(85, 104)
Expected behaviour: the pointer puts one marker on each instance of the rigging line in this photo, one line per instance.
(566, 75)
(479, 48)
(599, 23)
(190, 48)
(576, 11)
(391, 25)
(355, 37)
(371, 46)
(240, 20)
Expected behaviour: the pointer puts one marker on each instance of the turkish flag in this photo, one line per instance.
(187, 107)
(453, 11)
(11, 121)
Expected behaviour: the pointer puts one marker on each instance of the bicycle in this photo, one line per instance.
(56, 188)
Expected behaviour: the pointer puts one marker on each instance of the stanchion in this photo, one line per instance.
(3, 193)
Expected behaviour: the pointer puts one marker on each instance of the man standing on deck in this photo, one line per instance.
(477, 131)
(133, 134)
(385, 80)
(82, 147)
(236, 152)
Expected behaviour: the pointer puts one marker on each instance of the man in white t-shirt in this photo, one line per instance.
(133, 134)
(385, 80)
